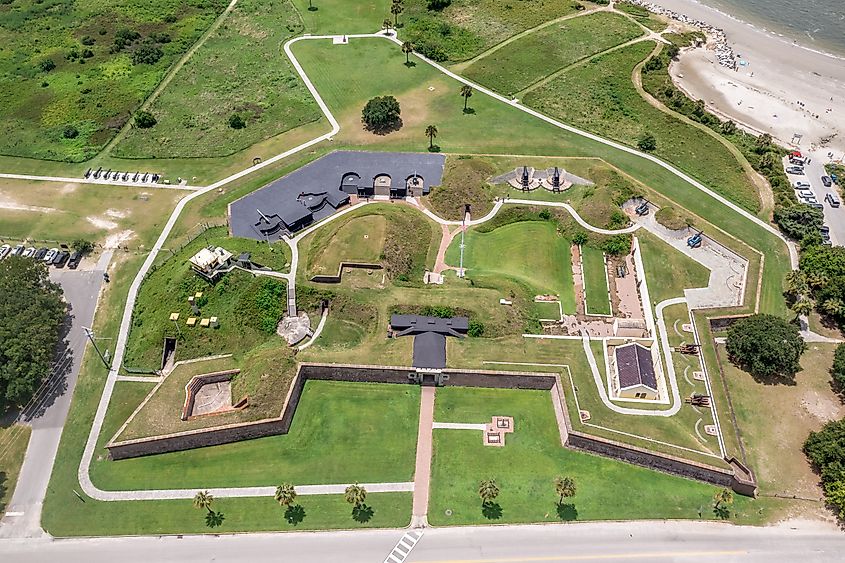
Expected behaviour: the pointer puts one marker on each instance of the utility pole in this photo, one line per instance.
(463, 230)
(90, 334)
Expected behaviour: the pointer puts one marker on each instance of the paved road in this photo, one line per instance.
(644, 541)
(47, 416)
(834, 217)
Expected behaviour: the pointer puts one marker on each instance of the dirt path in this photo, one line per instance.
(767, 198)
(440, 265)
(422, 471)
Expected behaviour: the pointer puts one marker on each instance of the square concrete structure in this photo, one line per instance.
(319, 189)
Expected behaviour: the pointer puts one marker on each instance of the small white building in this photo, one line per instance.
(635, 372)
(210, 261)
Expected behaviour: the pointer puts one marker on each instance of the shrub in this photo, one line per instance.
(124, 37)
(147, 54)
(838, 369)
(87, 40)
(47, 65)
(617, 245)
(799, 221)
(82, 245)
(580, 238)
(70, 132)
(476, 329)
(145, 119)
(647, 143)
(438, 5)
(545, 215)
(381, 114)
(236, 121)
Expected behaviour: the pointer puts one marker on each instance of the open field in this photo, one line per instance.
(343, 16)
(248, 307)
(600, 97)
(532, 457)
(642, 16)
(517, 65)
(13, 442)
(240, 70)
(51, 211)
(668, 272)
(466, 28)
(530, 253)
(320, 447)
(595, 281)
(359, 239)
(73, 73)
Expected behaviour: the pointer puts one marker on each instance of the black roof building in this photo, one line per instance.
(635, 366)
(429, 336)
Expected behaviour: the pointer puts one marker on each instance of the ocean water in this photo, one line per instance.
(817, 24)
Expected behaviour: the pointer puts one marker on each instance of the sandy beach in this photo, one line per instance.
(783, 88)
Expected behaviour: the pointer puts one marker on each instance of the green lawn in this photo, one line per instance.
(358, 238)
(531, 253)
(595, 281)
(517, 65)
(642, 16)
(343, 16)
(246, 317)
(600, 97)
(669, 272)
(14, 440)
(532, 457)
(240, 70)
(337, 432)
(94, 87)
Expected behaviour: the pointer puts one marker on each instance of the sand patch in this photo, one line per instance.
(101, 223)
(12, 205)
(116, 239)
(117, 214)
(68, 189)
(822, 408)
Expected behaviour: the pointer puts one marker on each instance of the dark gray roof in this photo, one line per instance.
(635, 366)
(430, 350)
(417, 324)
(324, 175)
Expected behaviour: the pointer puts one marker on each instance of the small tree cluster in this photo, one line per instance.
(826, 451)
(145, 120)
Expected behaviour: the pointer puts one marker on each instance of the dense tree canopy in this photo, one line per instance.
(766, 346)
(799, 221)
(381, 114)
(31, 315)
(826, 451)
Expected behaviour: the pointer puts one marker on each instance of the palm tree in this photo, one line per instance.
(407, 48)
(564, 487)
(385, 25)
(431, 133)
(356, 495)
(721, 501)
(396, 9)
(488, 490)
(728, 127)
(833, 306)
(203, 499)
(466, 92)
(802, 306)
(285, 494)
(817, 280)
(796, 282)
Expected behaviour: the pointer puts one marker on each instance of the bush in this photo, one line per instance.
(47, 65)
(826, 451)
(545, 215)
(580, 238)
(236, 121)
(438, 5)
(476, 329)
(147, 54)
(145, 119)
(838, 368)
(82, 245)
(70, 132)
(799, 221)
(381, 114)
(766, 346)
(87, 40)
(647, 143)
(124, 37)
(617, 245)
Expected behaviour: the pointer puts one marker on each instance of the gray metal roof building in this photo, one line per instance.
(635, 366)
(429, 336)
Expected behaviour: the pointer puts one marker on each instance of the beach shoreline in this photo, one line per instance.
(763, 81)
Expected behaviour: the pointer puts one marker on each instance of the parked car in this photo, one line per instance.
(40, 253)
(29, 252)
(826, 181)
(18, 250)
(61, 259)
(805, 194)
(815, 204)
(51, 255)
(74, 261)
(801, 184)
(832, 200)
(5, 250)
(795, 170)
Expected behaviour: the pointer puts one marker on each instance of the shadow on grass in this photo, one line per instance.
(434, 148)
(567, 512)
(214, 519)
(722, 512)
(491, 510)
(410, 64)
(294, 514)
(469, 111)
(3, 491)
(363, 513)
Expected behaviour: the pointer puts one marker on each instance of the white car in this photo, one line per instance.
(805, 194)
(799, 185)
(51, 255)
(4, 251)
(18, 250)
(29, 252)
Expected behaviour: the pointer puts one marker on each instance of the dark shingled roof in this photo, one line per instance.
(430, 350)
(635, 366)
(429, 336)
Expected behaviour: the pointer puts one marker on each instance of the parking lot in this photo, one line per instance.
(57, 256)
(834, 217)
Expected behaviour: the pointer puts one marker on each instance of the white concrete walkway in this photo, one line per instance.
(459, 426)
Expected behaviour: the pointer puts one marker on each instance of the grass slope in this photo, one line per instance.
(13, 441)
(600, 97)
(358, 239)
(240, 70)
(595, 281)
(529, 59)
(94, 93)
(668, 271)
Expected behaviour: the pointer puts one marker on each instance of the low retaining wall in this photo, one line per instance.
(339, 276)
(196, 383)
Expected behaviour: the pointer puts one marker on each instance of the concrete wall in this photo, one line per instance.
(196, 383)
(339, 276)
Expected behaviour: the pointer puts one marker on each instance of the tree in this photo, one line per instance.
(407, 48)
(799, 221)
(796, 283)
(236, 121)
(396, 8)
(826, 451)
(834, 307)
(145, 120)
(722, 500)
(431, 133)
(488, 490)
(285, 494)
(647, 143)
(767, 161)
(580, 238)
(766, 346)
(203, 499)
(381, 114)
(802, 306)
(355, 495)
(148, 54)
(763, 143)
(47, 65)
(31, 317)
(385, 25)
(70, 132)
(564, 488)
(466, 92)
(728, 128)
(838, 368)
(82, 245)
